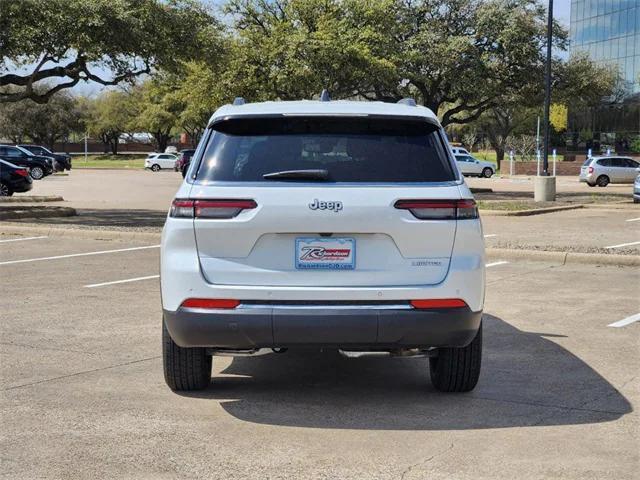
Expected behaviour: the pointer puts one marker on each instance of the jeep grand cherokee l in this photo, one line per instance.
(323, 224)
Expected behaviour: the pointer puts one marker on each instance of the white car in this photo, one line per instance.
(460, 151)
(323, 224)
(158, 161)
(469, 165)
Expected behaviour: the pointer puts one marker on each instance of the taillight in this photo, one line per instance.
(22, 172)
(440, 209)
(438, 303)
(590, 169)
(210, 303)
(215, 209)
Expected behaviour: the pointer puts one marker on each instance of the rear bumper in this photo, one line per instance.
(268, 326)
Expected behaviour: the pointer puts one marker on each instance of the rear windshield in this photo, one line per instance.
(348, 149)
(587, 162)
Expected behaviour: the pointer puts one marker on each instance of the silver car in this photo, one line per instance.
(469, 165)
(602, 171)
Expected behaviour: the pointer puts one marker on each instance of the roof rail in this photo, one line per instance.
(238, 101)
(324, 96)
(408, 101)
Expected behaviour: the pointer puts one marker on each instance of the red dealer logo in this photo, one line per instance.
(324, 254)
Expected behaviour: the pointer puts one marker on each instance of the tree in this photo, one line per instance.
(558, 117)
(157, 109)
(457, 57)
(42, 124)
(460, 58)
(292, 49)
(104, 41)
(200, 92)
(111, 115)
(578, 82)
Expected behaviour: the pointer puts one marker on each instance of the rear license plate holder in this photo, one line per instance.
(330, 253)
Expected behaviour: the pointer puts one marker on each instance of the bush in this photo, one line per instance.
(635, 145)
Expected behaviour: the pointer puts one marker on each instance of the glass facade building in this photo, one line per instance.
(609, 32)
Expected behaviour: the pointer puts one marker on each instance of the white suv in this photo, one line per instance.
(332, 224)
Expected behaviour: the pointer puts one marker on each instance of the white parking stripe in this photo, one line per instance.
(39, 259)
(495, 264)
(625, 321)
(128, 280)
(21, 239)
(491, 235)
(623, 245)
(633, 219)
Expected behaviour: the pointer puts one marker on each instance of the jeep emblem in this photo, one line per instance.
(321, 205)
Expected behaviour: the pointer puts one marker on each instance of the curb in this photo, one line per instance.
(481, 190)
(32, 199)
(86, 233)
(12, 212)
(564, 258)
(526, 213)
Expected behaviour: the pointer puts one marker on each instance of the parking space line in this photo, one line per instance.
(495, 264)
(128, 280)
(491, 235)
(39, 259)
(633, 219)
(625, 321)
(21, 239)
(623, 245)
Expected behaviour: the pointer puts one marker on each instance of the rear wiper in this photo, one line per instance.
(319, 174)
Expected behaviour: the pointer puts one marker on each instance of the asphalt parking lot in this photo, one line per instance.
(83, 394)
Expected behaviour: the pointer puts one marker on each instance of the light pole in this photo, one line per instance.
(545, 186)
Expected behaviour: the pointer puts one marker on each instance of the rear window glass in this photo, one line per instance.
(350, 150)
(587, 162)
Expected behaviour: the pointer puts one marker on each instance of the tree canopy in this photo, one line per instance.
(457, 57)
(44, 124)
(105, 41)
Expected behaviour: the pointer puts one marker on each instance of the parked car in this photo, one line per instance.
(469, 165)
(460, 151)
(184, 160)
(171, 149)
(297, 230)
(13, 178)
(61, 161)
(39, 167)
(158, 161)
(602, 171)
(636, 190)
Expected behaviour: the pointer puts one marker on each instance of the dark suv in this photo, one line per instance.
(39, 167)
(184, 160)
(61, 161)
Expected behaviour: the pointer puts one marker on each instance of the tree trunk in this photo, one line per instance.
(114, 145)
(162, 139)
(499, 155)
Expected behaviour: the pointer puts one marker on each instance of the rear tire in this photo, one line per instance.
(487, 172)
(5, 191)
(602, 181)
(457, 369)
(184, 368)
(37, 173)
(155, 167)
